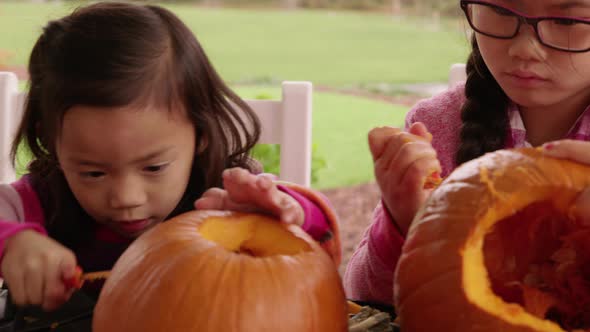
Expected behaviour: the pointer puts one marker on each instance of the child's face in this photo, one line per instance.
(127, 167)
(534, 75)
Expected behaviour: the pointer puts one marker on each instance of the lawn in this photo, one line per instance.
(342, 140)
(327, 48)
(262, 48)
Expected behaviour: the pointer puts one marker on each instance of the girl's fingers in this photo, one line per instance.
(56, 292)
(578, 151)
(212, 199)
(419, 129)
(281, 204)
(16, 285)
(394, 145)
(245, 188)
(66, 268)
(378, 139)
(415, 175)
(236, 180)
(54, 284)
(259, 193)
(291, 211)
(569, 149)
(34, 282)
(264, 182)
(405, 164)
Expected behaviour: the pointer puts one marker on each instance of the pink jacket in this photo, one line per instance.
(369, 274)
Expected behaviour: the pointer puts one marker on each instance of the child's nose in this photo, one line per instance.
(127, 193)
(526, 45)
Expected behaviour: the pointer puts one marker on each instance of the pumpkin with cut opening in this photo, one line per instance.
(220, 271)
(497, 248)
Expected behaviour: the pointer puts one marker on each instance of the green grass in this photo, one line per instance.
(328, 48)
(342, 140)
(339, 49)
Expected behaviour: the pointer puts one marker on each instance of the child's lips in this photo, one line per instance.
(132, 226)
(526, 79)
(522, 74)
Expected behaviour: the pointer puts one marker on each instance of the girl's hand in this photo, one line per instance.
(35, 267)
(247, 192)
(578, 151)
(402, 162)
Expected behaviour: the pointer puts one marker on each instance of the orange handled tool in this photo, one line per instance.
(79, 278)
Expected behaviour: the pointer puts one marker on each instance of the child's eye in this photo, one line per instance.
(155, 168)
(565, 21)
(502, 11)
(92, 174)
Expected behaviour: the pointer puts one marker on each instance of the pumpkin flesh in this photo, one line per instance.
(252, 235)
(458, 264)
(538, 258)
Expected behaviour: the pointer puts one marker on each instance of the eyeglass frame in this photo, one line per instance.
(522, 18)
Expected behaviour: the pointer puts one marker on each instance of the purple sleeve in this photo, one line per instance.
(369, 273)
(315, 223)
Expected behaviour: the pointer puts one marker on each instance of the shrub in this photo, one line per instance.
(269, 155)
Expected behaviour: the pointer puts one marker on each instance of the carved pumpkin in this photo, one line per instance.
(214, 271)
(496, 248)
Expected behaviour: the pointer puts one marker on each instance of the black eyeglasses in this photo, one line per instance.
(569, 34)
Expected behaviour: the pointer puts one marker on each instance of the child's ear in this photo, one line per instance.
(202, 144)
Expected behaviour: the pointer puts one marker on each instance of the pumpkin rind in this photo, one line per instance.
(172, 279)
(441, 282)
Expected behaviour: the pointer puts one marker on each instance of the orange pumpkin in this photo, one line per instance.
(213, 271)
(497, 248)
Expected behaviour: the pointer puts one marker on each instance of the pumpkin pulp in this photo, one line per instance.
(539, 258)
(252, 235)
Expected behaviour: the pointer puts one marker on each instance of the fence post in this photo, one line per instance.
(8, 103)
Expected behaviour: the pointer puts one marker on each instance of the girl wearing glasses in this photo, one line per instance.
(528, 83)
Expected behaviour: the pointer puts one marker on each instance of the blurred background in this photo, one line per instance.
(369, 61)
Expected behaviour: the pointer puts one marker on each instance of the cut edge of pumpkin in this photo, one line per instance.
(476, 281)
(252, 234)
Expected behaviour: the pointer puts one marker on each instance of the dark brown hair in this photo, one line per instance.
(484, 114)
(116, 54)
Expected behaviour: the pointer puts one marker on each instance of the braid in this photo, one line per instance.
(484, 115)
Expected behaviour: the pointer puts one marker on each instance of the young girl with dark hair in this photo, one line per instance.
(128, 125)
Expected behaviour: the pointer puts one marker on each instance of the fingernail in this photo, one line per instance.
(548, 146)
(264, 182)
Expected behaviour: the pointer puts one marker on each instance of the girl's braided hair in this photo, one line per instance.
(484, 115)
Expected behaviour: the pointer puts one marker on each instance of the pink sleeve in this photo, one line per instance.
(369, 274)
(19, 210)
(315, 223)
(321, 221)
(9, 228)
